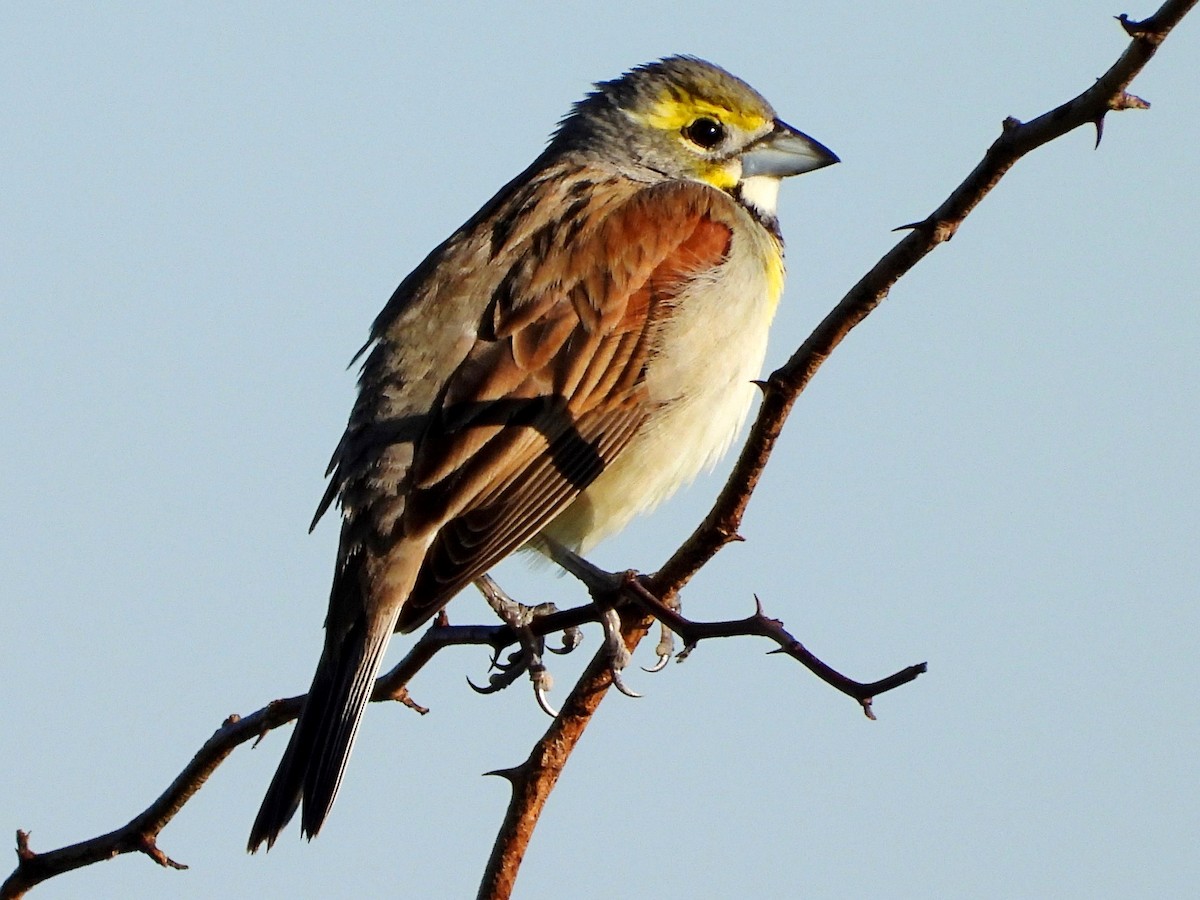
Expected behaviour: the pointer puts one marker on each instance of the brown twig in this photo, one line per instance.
(533, 779)
(141, 833)
(762, 625)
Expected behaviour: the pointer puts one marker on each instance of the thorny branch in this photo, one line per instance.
(533, 780)
(763, 626)
(140, 834)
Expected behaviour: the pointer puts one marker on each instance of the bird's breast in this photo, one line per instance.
(700, 382)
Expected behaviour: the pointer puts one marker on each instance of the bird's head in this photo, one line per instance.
(684, 118)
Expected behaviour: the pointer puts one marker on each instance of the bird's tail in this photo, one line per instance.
(315, 759)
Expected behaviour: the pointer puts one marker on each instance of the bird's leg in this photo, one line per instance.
(600, 585)
(528, 658)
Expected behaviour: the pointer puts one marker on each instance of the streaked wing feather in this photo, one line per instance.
(529, 420)
(472, 543)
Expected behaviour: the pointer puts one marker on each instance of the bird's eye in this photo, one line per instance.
(705, 132)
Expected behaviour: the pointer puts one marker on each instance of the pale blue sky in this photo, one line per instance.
(204, 209)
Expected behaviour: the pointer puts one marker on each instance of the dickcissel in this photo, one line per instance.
(583, 346)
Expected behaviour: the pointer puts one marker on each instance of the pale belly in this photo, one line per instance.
(704, 383)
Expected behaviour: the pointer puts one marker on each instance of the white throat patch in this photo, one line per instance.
(761, 192)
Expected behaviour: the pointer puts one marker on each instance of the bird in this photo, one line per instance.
(584, 345)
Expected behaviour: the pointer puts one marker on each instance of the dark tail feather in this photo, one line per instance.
(316, 755)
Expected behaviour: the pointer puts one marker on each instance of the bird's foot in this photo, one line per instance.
(666, 642)
(618, 654)
(603, 586)
(528, 656)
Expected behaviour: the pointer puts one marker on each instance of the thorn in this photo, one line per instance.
(1140, 30)
(509, 775)
(761, 383)
(23, 851)
(866, 705)
(266, 728)
(401, 695)
(147, 845)
(730, 537)
(758, 607)
(940, 231)
(1099, 123)
(1126, 100)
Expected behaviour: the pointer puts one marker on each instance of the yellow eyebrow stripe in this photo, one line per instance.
(672, 113)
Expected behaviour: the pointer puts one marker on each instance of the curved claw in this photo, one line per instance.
(665, 649)
(658, 666)
(619, 684)
(490, 689)
(618, 655)
(540, 693)
(571, 638)
(514, 659)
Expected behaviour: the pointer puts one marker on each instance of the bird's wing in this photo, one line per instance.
(553, 387)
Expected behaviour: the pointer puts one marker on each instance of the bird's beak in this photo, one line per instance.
(785, 151)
